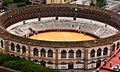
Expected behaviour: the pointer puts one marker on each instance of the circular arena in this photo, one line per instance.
(18, 26)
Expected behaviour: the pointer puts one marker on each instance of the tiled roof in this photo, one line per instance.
(109, 65)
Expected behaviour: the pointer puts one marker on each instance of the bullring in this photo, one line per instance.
(60, 55)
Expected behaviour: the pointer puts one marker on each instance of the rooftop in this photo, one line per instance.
(112, 64)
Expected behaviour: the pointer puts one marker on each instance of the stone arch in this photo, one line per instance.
(71, 54)
(92, 64)
(70, 65)
(118, 45)
(43, 53)
(105, 51)
(99, 52)
(98, 63)
(18, 48)
(43, 63)
(92, 53)
(63, 54)
(35, 52)
(12, 45)
(23, 49)
(50, 53)
(78, 53)
(113, 47)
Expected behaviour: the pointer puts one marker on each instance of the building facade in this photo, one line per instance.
(58, 1)
(37, 1)
(60, 55)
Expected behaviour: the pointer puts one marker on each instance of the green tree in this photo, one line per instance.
(22, 64)
(100, 3)
(20, 4)
(6, 2)
(17, 1)
(92, 4)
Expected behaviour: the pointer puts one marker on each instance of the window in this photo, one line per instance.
(35, 52)
(18, 48)
(105, 51)
(23, 49)
(63, 54)
(113, 47)
(78, 54)
(92, 53)
(71, 54)
(98, 63)
(43, 63)
(72, 25)
(50, 53)
(43, 53)
(12, 47)
(1, 43)
(99, 52)
(118, 45)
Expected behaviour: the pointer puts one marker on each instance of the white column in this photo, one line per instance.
(9, 48)
(26, 52)
(74, 55)
(67, 55)
(54, 55)
(95, 54)
(31, 52)
(20, 50)
(15, 49)
(46, 54)
(39, 53)
(108, 52)
(102, 53)
(59, 55)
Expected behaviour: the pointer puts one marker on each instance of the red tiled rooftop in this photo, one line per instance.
(113, 60)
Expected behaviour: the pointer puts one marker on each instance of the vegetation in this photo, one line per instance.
(22, 64)
(100, 3)
(92, 4)
(20, 4)
(15, 3)
(7, 2)
(18, 1)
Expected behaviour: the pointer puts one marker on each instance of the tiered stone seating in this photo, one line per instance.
(84, 25)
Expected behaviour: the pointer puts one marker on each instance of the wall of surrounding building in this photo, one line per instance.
(58, 1)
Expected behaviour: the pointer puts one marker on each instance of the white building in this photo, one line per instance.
(112, 5)
(81, 2)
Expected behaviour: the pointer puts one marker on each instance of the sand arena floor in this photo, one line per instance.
(61, 36)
